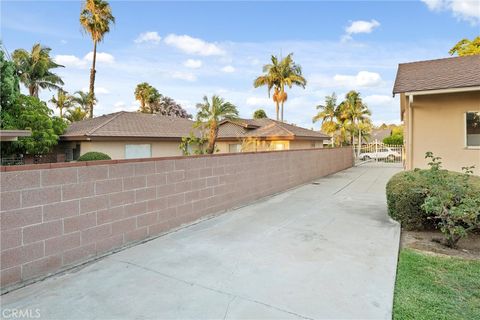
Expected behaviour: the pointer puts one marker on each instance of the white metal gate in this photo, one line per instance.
(378, 152)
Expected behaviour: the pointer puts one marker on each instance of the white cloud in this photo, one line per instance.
(98, 90)
(256, 101)
(468, 10)
(192, 63)
(148, 37)
(122, 106)
(361, 79)
(184, 76)
(101, 57)
(69, 61)
(192, 45)
(360, 26)
(228, 69)
(378, 99)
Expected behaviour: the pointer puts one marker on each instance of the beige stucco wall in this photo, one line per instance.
(116, 149)
(439, 126)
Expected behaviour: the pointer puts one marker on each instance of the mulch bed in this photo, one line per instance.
(468, 248)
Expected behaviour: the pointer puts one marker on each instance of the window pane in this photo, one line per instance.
(133, 151)
(232, 148)
(473, 129)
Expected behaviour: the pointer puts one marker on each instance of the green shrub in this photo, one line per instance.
(93, 156)
(394, 139)
(448, 200)
(406, 192)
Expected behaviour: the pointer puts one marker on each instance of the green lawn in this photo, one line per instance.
(429, 287)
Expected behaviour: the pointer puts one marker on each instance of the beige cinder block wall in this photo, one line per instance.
(58, 217)
(116, 149)
(439, 126)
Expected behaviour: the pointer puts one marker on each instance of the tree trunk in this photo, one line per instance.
(277, 109)
(32, 92)
(61, 112)
(212, 137)
(359, 139)
(282, 112)
(92, 79)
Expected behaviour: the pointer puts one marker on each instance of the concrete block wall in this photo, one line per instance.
(54, 216)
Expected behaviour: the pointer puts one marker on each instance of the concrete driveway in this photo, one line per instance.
(322, 251)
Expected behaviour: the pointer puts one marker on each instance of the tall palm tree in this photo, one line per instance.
(63, 101)
(34, 69)
(76, 114)
(354, 111)
(277, 75)
(270, 78)
(210, 113)
(328, 114)
(95, 17)
(83, 100)
(291, 74)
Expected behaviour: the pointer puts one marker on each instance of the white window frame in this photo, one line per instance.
(238, 147)
(465, 130)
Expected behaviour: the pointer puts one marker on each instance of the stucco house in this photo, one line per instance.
(440, 107)
(127, 135)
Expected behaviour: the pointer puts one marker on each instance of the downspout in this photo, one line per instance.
(410, 133)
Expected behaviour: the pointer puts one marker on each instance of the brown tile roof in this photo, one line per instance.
(129, 124)
(140, 125)
(448, 73)
(266, 128)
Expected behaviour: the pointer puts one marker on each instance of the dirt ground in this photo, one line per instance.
(468, 248)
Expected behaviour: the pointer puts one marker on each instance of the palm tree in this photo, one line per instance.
(34, 69)
(148, 97)
(83, 100)
(95, 18)
(211, 113)
(328, 114)
(291, 75)
(76, 114)
(354, 111)
(270, 79)
(278, 75)
(62, 101)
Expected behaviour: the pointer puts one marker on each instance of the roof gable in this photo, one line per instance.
(448, 73)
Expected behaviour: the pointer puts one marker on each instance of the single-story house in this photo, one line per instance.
(440, 107)
(126, 135)
(266, 134)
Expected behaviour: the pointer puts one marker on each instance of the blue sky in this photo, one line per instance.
(190, 49)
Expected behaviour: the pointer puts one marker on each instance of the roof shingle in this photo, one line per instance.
(447, 73)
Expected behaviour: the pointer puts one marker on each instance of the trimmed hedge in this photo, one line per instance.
(93, 156)
(406, 192)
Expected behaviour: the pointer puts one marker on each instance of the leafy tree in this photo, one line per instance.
(166, 106)
(32, 114)
(466, 47)
(9, 90)
(76, 114)
(278, 75)
(34, 69)
(210, 113)
(259, 114)
(95, 17)
(63, 101)
(394, 140)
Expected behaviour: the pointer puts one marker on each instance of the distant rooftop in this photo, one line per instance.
(447, 73)
(136, 125)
